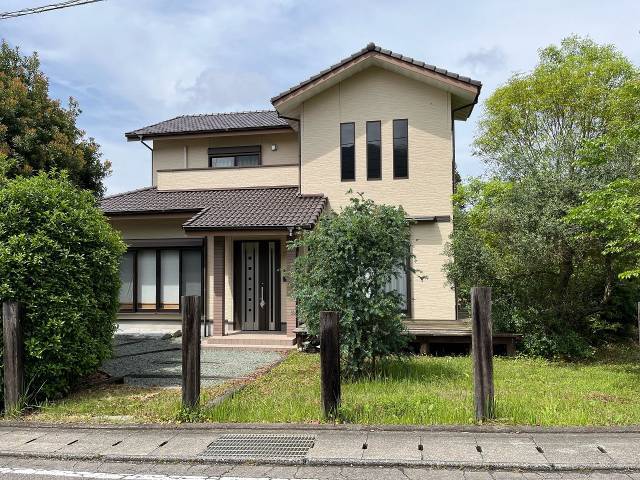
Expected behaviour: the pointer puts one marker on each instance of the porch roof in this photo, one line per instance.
(223, 209)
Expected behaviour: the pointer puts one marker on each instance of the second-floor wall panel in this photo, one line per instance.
(187, 159)
(378, 95)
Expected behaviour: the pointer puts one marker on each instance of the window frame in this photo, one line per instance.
(379, 142)
(158, 277)
(393, 136)
(353, 143)
(235, 152)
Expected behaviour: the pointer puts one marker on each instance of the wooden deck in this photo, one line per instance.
(444, 332)
(428, 332)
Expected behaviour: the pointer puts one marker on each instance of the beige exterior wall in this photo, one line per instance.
(432, 298)
(192, 152)
(140, 228)
(265, 176)
(377, 94)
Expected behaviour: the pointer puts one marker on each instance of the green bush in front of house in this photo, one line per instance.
(349, 259)
(60, 256)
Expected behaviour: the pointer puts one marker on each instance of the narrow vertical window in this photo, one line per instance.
(146, 280)
(169, 279)
(400, 148)
(347, 151)
(400, 283)
(374, 161)
(126, 281)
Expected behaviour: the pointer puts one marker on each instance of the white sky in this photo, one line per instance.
(131, 63)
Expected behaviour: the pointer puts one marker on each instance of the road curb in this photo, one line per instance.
(325, 427)
(318, 462)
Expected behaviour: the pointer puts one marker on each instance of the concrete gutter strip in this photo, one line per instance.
(542, 451)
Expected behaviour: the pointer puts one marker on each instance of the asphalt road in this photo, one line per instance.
(23, 469)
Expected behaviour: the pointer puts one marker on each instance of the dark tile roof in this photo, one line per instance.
(372, 47)
(230, 209)
(212, 123)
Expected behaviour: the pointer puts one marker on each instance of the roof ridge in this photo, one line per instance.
(241, 112)
(128, 192)
(372, 47)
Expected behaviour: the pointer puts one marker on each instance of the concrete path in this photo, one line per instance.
(151, 360)
(542, 451)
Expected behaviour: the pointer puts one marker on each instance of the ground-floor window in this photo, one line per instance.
(154, 279)
(400, 283)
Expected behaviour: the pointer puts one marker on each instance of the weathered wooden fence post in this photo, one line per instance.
(13, 314)
(482, 349)
(638, 322)
(329, 363)
(190, 351)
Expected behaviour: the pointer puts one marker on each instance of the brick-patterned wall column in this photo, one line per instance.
(218, 285)
(289, 307)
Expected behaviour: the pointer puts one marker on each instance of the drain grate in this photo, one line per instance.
(260, 446)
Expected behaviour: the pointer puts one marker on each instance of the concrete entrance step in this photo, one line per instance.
(251, 341)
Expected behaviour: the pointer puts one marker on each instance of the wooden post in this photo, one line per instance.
(329, 363)
(482, 348)
(190, 351)
(13, 314)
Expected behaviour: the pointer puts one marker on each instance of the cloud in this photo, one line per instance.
(217, 89)
(132, 63)
(484, 60)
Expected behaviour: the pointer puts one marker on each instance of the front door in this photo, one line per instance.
(257, 290)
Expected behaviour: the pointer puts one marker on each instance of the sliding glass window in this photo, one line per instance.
(241, 156)
(400, 283)
(191, 272)
(146, 280)
(154, 279)
(374, 160)
(347, 151)
(400, 148)
(127, 268)
(170, 279)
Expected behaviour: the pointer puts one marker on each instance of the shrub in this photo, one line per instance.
(348, 261)
(60, 256)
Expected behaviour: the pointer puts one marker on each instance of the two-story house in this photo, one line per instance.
(229, 190)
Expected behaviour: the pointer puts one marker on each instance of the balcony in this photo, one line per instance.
(235, 177)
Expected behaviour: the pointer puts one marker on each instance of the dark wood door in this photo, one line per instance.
(257, 285)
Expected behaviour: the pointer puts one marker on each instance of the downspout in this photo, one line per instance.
(299, 148)
(141, 138)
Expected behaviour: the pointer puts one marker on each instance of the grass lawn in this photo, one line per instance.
(419, 390)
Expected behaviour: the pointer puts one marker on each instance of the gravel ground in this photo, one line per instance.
(150, 360)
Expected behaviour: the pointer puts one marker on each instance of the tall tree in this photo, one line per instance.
(550, 137)
(36, 132)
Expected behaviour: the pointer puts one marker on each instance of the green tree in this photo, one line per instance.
(610, 221)
(60, 256)
(550, 137)
(36, 132)
(348, 260)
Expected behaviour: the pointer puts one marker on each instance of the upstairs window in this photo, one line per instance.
(229, 157)
(400, 148)
(347, 151)
(374, 161)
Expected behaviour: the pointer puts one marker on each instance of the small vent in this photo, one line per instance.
(260, 446)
